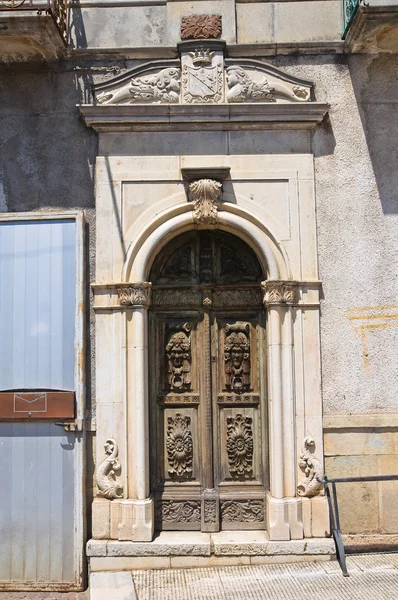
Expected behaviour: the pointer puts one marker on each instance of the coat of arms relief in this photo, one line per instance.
(203, 76)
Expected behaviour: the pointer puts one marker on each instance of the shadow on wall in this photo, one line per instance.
(76, 34)
(375, 84)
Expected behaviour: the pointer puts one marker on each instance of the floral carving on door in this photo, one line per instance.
(240, 445)
(179, 445)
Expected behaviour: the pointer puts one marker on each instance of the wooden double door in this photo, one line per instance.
(208, 435)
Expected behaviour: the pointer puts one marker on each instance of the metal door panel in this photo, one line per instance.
(37, 516)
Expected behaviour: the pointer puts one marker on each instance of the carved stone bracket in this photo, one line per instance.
(205, 195)
(105, 476)
(312, 469)
(136, 294)
(280, 292)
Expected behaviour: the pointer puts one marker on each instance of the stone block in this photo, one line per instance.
(101, 509)
(110, 27)
(184, 562)
(307, 21)
(239, 543)
(320, 524)
(96, 548)
(166, 543)
(388, 465)
(358, 502)
(295, 515)
(106, 585)
(129, 563)
(355, 443)
(254, 22)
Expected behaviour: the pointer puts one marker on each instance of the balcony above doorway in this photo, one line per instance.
(32, 30)
(371, 26)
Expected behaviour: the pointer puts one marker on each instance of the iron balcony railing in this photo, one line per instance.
(350, 7)
(56, 8)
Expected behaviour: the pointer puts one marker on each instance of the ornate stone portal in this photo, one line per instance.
(217, 333)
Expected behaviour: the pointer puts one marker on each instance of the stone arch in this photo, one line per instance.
(145, 246)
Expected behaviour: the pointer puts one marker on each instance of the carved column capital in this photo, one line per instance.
(279, 292)
(135, 294)
(205, 195)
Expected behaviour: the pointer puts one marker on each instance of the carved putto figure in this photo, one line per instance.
(312, 469)
(237, 357)
(164, 87)
(107, 485)
(242, 87)
(178, 351)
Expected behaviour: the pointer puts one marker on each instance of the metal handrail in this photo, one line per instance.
(334, 510)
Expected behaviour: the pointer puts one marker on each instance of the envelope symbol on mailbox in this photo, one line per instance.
(30, 402)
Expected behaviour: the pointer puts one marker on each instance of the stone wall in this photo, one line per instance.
(157, 22)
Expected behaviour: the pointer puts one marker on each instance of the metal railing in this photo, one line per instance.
(350, 7)
(334, 510)
(56, 8)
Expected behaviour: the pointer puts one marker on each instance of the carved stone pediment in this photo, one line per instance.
(203, 76)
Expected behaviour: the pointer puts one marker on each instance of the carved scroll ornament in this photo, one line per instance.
(279, 292)
(178, 352)
(200, 27)
(135, 295)
(312, 469)
(205, 195)
(240, 445)
(162, 88)
(179, 445)
(173, 511)
(243, 511)
(237, 357)
(105, 476)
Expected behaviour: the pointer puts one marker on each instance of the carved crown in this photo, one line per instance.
(202, 57)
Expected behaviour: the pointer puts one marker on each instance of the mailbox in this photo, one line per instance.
(37, 405)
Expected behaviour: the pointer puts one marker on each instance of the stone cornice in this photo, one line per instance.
(186, 117)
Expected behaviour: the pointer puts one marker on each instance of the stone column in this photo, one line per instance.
(137, 512)
(284, 520)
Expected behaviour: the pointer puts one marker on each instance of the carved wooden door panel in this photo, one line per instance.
(208, 409)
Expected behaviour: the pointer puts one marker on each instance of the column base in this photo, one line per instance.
(278, 519)
(137, 521)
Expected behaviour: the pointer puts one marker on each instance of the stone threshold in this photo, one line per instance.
(194, 549)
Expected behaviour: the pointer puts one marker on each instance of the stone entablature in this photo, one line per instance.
(203, 76)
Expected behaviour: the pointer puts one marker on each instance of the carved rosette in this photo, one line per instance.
(237, 357)
(179, 446)
(173, 511)
(205, 195)
(178, 352)
(242, 511)
(135, 295)
(280, 292)
(200, 27)
(108, 487)
(240, 445)
(312, 468)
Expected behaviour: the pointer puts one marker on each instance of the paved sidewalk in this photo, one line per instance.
(45, 596)
(372, 577)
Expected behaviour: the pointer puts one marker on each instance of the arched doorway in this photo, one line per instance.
(207, 365)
